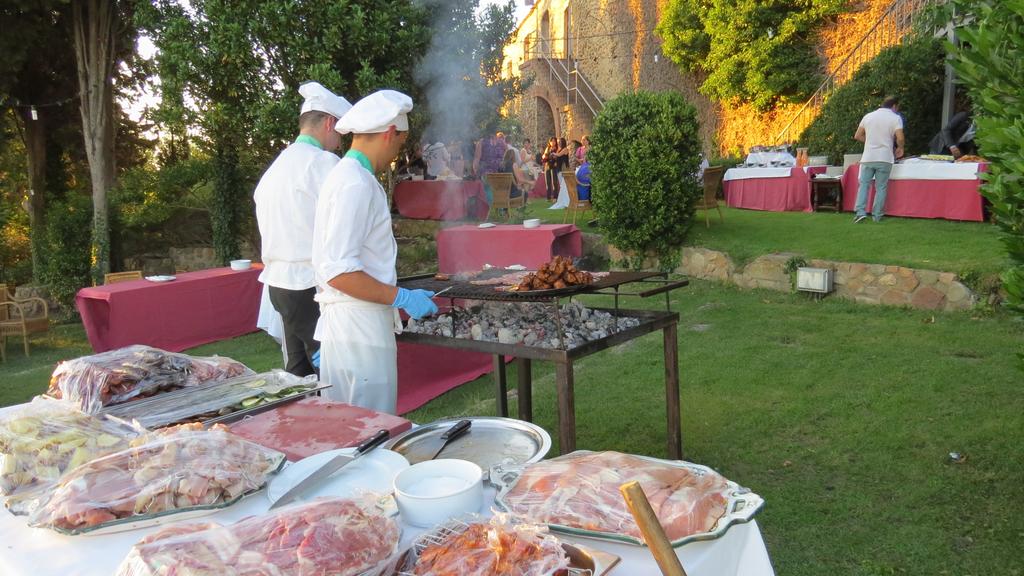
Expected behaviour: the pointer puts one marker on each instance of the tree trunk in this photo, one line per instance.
(35, 148)
(94, 23)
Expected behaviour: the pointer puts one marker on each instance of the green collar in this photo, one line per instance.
(361, 158)
(307, 139)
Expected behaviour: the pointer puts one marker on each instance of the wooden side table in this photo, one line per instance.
(826, 194)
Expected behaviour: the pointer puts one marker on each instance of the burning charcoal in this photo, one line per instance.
(477, 332)
(507, 336)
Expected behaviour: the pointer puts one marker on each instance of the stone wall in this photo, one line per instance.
(863, 283)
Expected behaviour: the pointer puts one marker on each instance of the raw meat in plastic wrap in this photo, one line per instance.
(335, 537)
(43, 439)
(581, 490)
(120, 375)
(497, 547)
(174, 470)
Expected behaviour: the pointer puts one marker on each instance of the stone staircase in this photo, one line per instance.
(894, 25)
(560, 81)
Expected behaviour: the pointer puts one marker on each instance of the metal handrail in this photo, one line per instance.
(562, 73)
(890, 29)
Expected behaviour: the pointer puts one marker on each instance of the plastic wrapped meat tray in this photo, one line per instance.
(336, 537)
(168, 472)
(45, 438)
(578, 493)
(119, 375)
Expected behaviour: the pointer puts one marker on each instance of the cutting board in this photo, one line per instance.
(313, 425)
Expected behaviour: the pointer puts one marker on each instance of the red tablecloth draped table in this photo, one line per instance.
(790, 193)
(465, 248)
(197, 308)
(540, 189)
(441, 199)
(920, 198)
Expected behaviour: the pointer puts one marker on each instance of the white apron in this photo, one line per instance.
(358, 353)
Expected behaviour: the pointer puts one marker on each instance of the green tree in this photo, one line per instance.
(645, 151)
(750, 50)
(990, 62)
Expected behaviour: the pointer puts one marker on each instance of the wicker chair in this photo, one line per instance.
(575, 204)
(21, 318)
(115, 277)
(712, 182)
(501, 190)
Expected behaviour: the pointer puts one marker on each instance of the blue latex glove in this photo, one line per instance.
(315, 359)
(416, 303)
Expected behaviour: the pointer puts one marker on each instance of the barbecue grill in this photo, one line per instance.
(460, 290)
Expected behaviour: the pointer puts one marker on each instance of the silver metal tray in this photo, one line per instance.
(740, 508)
(490, 441)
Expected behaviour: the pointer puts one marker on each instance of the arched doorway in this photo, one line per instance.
(545, 35)
(544, 122)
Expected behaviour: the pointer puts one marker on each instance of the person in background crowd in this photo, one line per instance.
(881, 132)
(550, 162)
(574, 159)
(704, 165)
(526, 152)
(437, 158)
(487, 158)
(519, 180)
(354, 254)
(956, 137)
(583, 181)
(457, 159)
(563, 156)
(286, 199)
(581, 151)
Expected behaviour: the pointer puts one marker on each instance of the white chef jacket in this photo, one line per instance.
(352, 232)
(880, 129)
(286, 200)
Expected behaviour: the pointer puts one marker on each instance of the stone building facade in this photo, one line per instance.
(578, 54)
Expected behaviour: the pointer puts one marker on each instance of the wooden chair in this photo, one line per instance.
(575, 204)
(501, 191)
(115, 277)
(17, 319)
(712, 181)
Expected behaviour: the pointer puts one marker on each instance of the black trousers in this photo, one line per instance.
(300, 313)
(551, 183)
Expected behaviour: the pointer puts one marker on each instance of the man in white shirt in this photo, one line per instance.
(285, 207)
(354, 253)
(437, 157)
(878, 130)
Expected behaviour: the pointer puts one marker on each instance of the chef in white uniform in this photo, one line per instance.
(354, 253)
(285, 208)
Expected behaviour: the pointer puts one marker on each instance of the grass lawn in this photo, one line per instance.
(842, 416)
(966, 248)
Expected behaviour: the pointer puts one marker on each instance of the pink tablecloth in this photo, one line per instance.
(465, 248)
(948, 199)
(441, 199)
(791, 194)
(540, 189)
(197, 308)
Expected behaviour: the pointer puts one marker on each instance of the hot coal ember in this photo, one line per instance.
(528, 323)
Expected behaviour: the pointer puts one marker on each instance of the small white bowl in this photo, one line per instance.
(531, 223)
(433, 491)
(241, 264)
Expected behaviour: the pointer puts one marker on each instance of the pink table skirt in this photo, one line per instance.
(197, 308)
(441, 199)
(426, 372)
(539, 188)
(465, 248)
(948, 199)
(790, 194)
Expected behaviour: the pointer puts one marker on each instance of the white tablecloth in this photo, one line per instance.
(769, 157)
(926, 170)
(28, 551)
(744, 173)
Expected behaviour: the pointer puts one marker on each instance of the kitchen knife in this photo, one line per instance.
(458, 429)
(332, 466)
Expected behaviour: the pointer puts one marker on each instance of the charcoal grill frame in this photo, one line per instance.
(650, 321)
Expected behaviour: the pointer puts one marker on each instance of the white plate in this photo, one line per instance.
(516, 267)
(374, 472)
(161, 278)
(486, 225)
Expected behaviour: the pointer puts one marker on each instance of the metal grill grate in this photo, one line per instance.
(459, 289)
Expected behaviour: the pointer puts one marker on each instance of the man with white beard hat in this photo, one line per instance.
(286, 200)
(354, 253)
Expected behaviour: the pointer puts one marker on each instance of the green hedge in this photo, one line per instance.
(68, 229)
(913, 72)
(644, 153)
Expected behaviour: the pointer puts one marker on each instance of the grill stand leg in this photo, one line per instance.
(525, 390)
(675, 432)
(501, 385)
(566, 407)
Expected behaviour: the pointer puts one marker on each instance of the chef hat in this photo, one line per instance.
(376, 113)
(321, 99)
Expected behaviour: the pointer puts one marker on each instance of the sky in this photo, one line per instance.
(522, 8)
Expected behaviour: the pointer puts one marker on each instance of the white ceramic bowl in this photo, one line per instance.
(433, 491)
(531, 223)
(241, 264)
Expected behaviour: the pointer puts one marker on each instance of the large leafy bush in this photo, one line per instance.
(913, 72)
(991, 65)
(750, 50)
(644, 157)
(68, 223)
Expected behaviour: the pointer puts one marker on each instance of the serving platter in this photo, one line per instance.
(741, 505)
(161, 278)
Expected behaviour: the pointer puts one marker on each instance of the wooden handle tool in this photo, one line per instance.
(652, 530)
